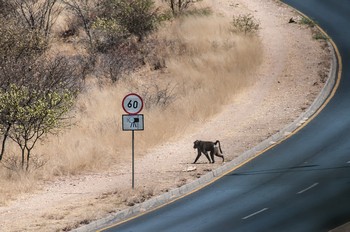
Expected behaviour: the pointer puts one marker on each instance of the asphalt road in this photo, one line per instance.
(303, 184)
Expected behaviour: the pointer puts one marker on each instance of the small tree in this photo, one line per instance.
(18, 45)
(35, 90)
(32, 114)
(35, 95)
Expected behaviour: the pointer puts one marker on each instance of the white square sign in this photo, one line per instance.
(132, 122)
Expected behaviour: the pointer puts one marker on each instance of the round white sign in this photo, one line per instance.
(132, 103)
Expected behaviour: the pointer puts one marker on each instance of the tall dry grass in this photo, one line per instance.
(211, 65)
(206, 66)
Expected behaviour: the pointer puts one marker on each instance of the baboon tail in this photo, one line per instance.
(218, 142)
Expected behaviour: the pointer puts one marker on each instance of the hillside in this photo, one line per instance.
(287, 78)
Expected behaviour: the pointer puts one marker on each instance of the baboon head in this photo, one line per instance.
(196, 144)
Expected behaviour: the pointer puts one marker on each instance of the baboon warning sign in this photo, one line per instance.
(132, 122)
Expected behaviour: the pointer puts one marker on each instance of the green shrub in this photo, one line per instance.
(318, 35)
(138, 17)
(307, 21)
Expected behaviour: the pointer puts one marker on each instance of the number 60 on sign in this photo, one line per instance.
(132, 103)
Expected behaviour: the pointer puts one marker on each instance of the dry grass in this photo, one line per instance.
(13, 184)
(206, 66)
(211, 65)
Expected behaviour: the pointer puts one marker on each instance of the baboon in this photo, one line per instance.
(204, 147)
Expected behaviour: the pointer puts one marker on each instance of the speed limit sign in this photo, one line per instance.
(132, 103)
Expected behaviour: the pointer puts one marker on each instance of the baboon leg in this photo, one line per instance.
(212, 156)
(206, 154)
(223, 159)
(199, 155)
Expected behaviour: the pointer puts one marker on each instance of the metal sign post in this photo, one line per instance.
(133, 159)
(132, 123)
(132, 104)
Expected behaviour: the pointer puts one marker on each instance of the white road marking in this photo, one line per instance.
(308, 188)
(253, 214)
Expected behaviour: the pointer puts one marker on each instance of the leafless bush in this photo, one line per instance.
(153, 52)
(157, 95)
(37, 15)
(43, 73)
(121, 60)
(84, 10)
(113, 66)
(178, 6)
(17, 42)
(246, 24)
(14, 164)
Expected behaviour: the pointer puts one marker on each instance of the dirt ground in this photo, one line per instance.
(289, 79)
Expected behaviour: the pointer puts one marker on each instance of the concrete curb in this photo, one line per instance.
(210, 176)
